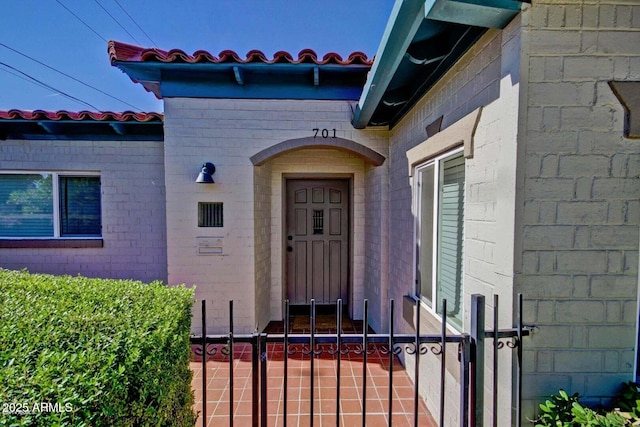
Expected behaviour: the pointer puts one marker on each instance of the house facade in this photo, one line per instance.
(490, 148)
(119, 157)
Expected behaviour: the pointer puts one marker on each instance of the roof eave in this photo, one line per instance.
(478, 13)
(85, 125)
(148, 77)
(234, 80)
(405, 20)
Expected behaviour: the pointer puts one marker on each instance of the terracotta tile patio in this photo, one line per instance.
(299, 391)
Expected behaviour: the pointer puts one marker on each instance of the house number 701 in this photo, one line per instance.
(325, 133)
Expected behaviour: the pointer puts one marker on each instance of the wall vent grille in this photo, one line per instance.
(209, 214)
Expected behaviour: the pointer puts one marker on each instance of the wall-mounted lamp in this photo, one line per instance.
(205, 175)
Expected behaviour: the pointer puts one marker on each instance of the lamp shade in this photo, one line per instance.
(206, 174)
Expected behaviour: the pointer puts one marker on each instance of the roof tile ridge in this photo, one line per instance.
(282, 57)
(307, 56)
(174, 55)
(332, 58)
(83, 115)
(120, 51)
(256, 55)
(360, 58)
(13, 114)
(229, 55)
(203, 56)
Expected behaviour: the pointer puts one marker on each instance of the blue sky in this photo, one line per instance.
(47, 32)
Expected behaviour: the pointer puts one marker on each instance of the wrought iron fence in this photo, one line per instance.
(470, 349)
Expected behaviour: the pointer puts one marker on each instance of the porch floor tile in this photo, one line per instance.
(298, 390)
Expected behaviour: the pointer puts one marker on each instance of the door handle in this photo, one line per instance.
(289, 248)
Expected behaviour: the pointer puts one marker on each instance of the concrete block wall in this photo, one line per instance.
(263, 217)
(133, 213)
(228, 133)
(377, 256)
(488, 77)
(579, 188)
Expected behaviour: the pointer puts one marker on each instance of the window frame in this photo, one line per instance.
(55, 193)
(435, 161)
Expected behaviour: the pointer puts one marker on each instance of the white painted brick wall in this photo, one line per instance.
(377, 257)
(263, 209)
(133, 214)
(486, 77)
(228, 133)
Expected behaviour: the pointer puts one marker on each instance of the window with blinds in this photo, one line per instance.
(439, 238)
(26, 205)
(49, 205)
(80, 206)
(449, 245)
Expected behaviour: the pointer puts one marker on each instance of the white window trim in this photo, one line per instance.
(430, 306)
(55, 177)
(458, 136)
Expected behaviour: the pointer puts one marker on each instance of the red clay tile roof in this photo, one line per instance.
(127, 116)
(119, 51)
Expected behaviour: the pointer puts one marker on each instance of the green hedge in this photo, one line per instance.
(91, 352)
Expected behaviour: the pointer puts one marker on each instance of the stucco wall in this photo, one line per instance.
(488, 77)
(228, 133)
(133, 214)
(579, 188)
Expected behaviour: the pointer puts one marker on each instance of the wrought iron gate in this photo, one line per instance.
(470, 349)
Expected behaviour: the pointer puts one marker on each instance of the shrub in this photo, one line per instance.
(92, 352)
(627, 402)
(562, 410)
(556, 411)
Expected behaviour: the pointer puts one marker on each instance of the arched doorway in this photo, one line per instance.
(338, 167)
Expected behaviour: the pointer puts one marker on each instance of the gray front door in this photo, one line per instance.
(317, 240)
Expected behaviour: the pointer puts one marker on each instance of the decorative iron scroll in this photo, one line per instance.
(511, 342)
(348, 348)
(306, 350)
(333, 349)
(359, 349)
(436, 349)
(411, 348)
(384, 349)
(226, 350)
(211, 349)
(372, 348)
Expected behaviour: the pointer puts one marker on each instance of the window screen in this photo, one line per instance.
(425, 242)
(26, 205)
(28, 208)
(80, 206)
(439, 238)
